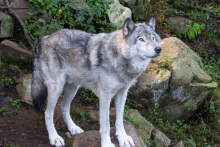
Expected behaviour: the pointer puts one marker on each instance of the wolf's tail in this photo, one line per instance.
(38, 89)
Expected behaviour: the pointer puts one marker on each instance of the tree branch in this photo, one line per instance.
(21, 23)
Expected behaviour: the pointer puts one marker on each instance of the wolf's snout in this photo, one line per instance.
(157, 50)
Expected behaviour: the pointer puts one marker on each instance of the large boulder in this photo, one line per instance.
(93, 138)
(172, 82)
(6, 26)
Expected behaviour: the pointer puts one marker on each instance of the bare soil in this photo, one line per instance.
(25, 127)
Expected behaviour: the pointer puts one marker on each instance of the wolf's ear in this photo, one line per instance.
(151, 22)
(128, 27)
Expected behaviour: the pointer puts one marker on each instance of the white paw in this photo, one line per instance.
(125, 141)
(75, 130)
(108, 145)
(57, 141)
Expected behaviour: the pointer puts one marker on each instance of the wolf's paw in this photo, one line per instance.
(108, 145)
(57, 141)
(125, 141)
(75, 130)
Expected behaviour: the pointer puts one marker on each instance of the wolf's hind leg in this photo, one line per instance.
(70, 92)
(123, 139)
(54, 91)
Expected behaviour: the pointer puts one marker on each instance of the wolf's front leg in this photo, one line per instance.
(123, 139)
(104, 104)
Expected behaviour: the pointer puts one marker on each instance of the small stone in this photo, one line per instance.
(23, 88)
(145, 128)
(180, 144)
(94, 115)
(68, 135)
(6, 26)
(161, 138)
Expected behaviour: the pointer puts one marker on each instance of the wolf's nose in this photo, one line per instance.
(158, 50)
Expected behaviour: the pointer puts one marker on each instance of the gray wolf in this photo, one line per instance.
(110, 63)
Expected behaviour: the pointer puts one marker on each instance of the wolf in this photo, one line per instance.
(110, 63)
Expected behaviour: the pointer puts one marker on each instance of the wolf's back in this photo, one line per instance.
(38, 89)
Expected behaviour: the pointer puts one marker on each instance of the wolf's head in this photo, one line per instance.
(141, 39)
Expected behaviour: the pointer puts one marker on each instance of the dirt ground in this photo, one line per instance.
(25, 127)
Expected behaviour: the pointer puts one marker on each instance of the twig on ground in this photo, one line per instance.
(21, 23)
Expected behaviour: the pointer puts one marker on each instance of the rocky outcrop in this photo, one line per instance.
(93, 138)
(171, 81)
(23, 88)
(14, 51)
(6, 26)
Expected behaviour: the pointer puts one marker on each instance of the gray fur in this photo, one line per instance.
(107, 62)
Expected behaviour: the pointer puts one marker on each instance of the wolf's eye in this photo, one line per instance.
(141, 39)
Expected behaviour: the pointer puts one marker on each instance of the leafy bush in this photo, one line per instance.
(193, 31)
(57, 14)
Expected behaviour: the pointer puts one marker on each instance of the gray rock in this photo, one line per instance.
(7, 26)
(184, 81)
(118, 13)
(14, 51)
(80, 5)
(144, 127)
(21, 7)
(93, 138)
(23, 88)
(179, 23)
(139, 11)
(161, 138)
(180, 144)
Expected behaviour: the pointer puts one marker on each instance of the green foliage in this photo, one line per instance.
(83, 114)
(213, 68)
(91, 16)
(191, 105)
(9, 82)
(193, 31)
(129, 119)
(15, 103)
(165, 64)
(89, 96)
